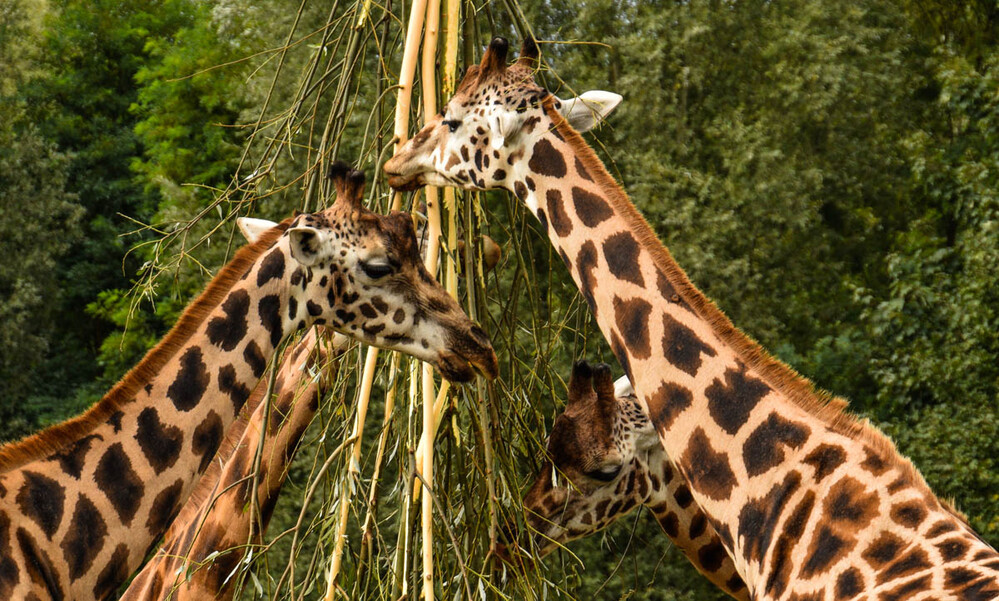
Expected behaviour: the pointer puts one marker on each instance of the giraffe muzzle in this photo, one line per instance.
(406, 183)
(468, 352)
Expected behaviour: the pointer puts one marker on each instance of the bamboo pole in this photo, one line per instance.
(407, 74)
(426, 470)
(353, 469)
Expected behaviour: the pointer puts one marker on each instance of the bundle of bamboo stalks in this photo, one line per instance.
(420, 495)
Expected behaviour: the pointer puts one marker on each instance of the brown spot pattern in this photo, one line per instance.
(708, 470)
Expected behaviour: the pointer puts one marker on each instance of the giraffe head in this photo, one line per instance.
(497, 117)
(360, 273)
(600, 452)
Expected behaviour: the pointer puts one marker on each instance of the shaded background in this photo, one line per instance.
(826, 170)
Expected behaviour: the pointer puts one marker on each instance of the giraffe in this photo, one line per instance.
(209, 537)
(82, 502)
(809, 501)
(604, 460)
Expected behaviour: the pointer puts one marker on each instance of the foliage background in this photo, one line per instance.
(826, 170)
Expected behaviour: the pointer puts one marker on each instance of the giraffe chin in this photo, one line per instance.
(406, 183)
(459, 369)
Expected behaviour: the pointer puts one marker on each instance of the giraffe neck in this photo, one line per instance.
(771, 463)
(86, 500)
(215, 521)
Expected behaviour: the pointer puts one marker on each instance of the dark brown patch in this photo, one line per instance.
(712, 555)
(165, 507)
(545, 160)
(883, 550)
(228, 331)
(591, 209)
(909, 513)
(586, 265)
(191, 381)
(160, 443)
(849, 502)
(544, 223)
(905, 591)
(113, 574)
(826, 548)
(873, 462)
(668, 292)
(683, 497)
(557, 216)
(667, 403)
(697, 526)
(621, 251)
(269, 309)
(682, 347)
(207, 437)
(42, 500)
(670, 524)
(230, 385)
(255, 358)
(849, 584)
(581, 170)
(9, 576)
(763, 449)
(794, 527)
(952, 549)
(731, 403)
(71, 457)
(632, 318)
(119, 482)
(941, 527)
(825, 458)
(85, 538)
(707, 470)
(913, 561)
(758, 518)
(39, 566)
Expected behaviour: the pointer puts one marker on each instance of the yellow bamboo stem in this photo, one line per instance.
(429, 74)
(451, 45)
(407, 75)
(353, 469)
(438, 412)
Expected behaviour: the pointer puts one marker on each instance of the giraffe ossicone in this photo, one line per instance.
(809, 501)
(81, 502)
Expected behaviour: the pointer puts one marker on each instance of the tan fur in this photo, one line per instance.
(820, 403)
(50, 440)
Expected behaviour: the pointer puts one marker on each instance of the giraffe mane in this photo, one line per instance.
(51, 439)
(824, 405)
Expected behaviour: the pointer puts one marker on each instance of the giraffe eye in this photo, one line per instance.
(606, 473)
(452, 124)
(376, 270)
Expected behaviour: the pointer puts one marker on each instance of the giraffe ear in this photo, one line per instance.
(623, 388)
(252, 227)
(308, 245)
(588, 109)
(505, 128)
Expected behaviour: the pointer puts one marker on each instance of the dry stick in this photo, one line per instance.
(353, 469)
(407, 74)
(369, 518)
(428, 72)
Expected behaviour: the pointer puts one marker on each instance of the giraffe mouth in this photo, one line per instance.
(406, 183)
(460, 369)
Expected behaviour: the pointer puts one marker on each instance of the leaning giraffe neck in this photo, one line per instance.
(217, 522)
(797, 490)
(82, 502)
